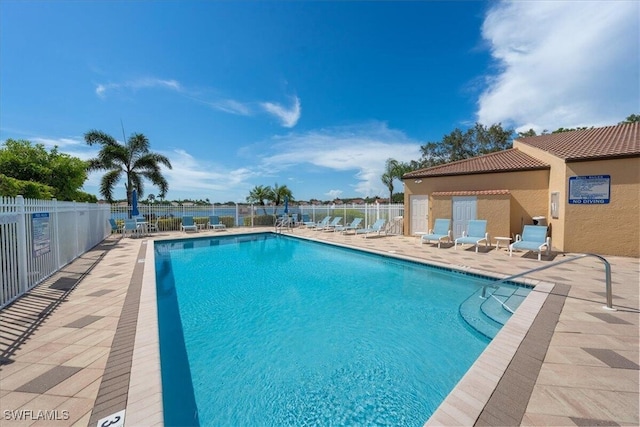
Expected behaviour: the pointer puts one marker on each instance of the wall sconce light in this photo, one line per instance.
(418, 181)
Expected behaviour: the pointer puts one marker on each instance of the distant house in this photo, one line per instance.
(584, 184)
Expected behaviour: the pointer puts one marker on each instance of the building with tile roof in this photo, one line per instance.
(584, 184)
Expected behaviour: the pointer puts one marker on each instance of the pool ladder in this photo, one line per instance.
(284, 223)
(607, 273)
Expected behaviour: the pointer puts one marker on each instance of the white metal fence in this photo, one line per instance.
(39, 237)
(240, 215)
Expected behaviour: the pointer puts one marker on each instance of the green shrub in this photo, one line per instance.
(228, 221)
(259, 220)
(12, 187)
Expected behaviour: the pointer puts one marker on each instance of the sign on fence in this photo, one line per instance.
(41, 233)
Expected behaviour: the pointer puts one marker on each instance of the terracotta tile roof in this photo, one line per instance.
(471, 193)
(599, 143)
(510, 160)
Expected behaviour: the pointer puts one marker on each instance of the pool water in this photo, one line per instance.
(273, 330)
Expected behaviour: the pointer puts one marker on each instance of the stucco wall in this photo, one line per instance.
(608, 229)
(557, 183)
(611, 229)
(439, 207)
(496, 210)
(528, 197)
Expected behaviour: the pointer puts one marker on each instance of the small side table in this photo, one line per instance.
(505, 240)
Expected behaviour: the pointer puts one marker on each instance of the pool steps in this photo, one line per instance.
(487, 310)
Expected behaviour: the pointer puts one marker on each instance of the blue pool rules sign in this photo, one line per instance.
(41, 233)
(589, 190)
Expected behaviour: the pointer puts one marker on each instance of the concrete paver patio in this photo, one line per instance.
(82, 345)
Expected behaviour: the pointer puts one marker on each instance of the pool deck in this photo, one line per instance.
(82, 345)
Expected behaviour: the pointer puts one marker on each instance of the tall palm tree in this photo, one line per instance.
(389, 175)
(258, 195)
(133, 159)
(277, 194)
(393, 170)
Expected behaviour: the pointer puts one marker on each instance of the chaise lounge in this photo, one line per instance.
(354, 225)
(188, 224)
(214, 222)
(377, 228)
(476, 233)
(441, 230)
(534, 238)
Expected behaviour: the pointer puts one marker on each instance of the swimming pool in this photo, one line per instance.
(271, 330)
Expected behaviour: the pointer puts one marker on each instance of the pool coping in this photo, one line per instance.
(483, 395)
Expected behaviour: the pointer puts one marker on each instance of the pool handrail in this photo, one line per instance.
(607, 272)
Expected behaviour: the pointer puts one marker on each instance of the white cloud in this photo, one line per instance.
(561, 63)
(60, 142)
(288, 117)
(334, 194)
(362, 149)
(143, 83)
(232, 107)
(191, 176)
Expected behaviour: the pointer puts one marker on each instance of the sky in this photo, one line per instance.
(314, 95)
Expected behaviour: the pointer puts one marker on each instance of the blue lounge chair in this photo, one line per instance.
(441, 230)
(534, 238)
(114, 226)
(476, 233)
(131, 226)
(335, 222)
(214, 222)
(188, 224)
(377, 228)
(320, 224)
(355, 224)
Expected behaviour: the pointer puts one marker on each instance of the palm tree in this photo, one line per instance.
(258, 195)
(394, 170)
(133, 159)
(389, 175)
(277, 194)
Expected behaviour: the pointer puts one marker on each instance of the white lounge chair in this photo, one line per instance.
(441, 230)
(188, 224)
(476, 233)
(153, 226)
(534, 238)
(377, 228)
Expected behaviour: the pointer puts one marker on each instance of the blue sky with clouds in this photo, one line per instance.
(312, 95)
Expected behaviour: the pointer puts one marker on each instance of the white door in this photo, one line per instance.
(464, 209)
(419, 212)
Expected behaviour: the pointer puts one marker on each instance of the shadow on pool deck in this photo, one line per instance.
(22, 318)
